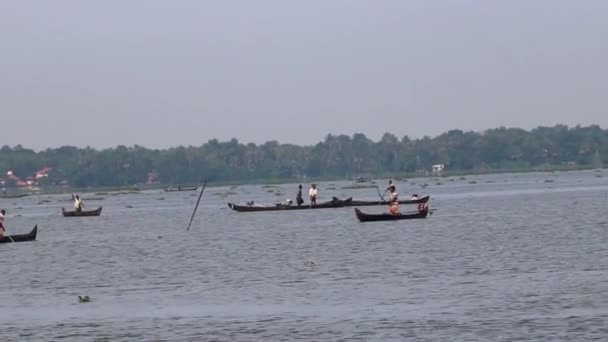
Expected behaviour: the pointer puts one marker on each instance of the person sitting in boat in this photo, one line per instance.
(414, 197)
(287, 203)
(2, 230)
(77, 203)
(312, 194)
(299, 199)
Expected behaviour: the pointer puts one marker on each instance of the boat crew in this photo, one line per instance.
(393, 201)
(2, 230)
(299, 199)
(312, 194)
(414, 197)
(77, 203)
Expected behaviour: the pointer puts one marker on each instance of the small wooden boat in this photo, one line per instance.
(179, 188)
(31, 236)
(363, 217)
(13, 196)
(423, 199)
(334, 203)
(73, 213)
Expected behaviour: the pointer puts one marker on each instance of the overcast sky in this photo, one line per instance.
(168, 73)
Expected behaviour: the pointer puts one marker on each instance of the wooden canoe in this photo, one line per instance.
(13, 196)
(335, 203)
(31, 236)
(363, 217)
(74, 213)
(181, 189)
(423, 199)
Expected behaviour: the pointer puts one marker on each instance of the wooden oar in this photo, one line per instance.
(378, 189)
(195, 207)
(9, 237)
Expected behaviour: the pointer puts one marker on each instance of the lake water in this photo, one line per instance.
(512, 257)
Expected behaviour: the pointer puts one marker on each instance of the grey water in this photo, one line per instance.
(509, 257)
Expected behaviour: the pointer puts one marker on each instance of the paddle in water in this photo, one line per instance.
(196, 206)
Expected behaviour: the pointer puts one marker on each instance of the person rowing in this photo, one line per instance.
(390, 185)
(393, 200)
(77, 203)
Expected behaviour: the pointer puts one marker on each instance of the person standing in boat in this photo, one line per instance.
(2, 230)
(77, 203)
(393, 200)
(312, 194)
(299, 199)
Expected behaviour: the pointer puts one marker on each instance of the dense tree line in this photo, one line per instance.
(338, 156)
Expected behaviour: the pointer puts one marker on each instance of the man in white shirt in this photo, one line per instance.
(77, 203)
(312, 194)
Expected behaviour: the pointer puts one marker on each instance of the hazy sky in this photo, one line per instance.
(168, 73)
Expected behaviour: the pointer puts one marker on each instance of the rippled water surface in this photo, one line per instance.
(516, 257)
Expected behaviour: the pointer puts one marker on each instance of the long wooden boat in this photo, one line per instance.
(181, 189)
(363, 217)
(12, 196)
(423, 199)
(74, 213)
(31, 236)
(335, 203)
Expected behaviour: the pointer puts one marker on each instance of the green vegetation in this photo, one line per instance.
(337, 157)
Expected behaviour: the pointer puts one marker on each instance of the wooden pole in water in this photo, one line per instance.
(196, 206)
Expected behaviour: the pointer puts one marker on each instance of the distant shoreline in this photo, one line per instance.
(14, 193)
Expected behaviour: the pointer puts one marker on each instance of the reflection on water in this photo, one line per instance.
(511, 257)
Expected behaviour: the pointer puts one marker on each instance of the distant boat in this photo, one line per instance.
(334, 203)
(179, 188)
(73, 213)
(13, 196)
(31, 236)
